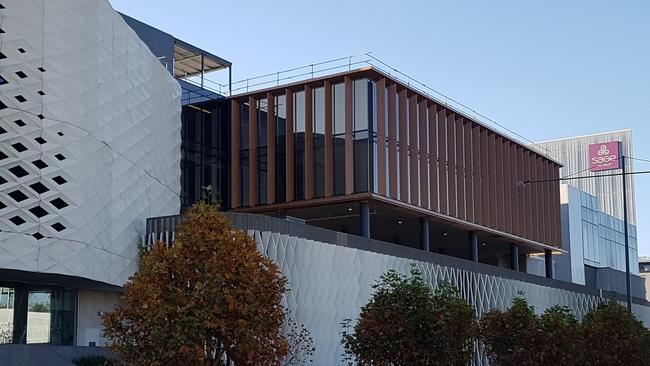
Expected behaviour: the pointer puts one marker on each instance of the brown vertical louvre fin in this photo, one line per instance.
(536, 197)
(529, 195)
(451, 164)
(271, 132)
(492, 172)
(392, 141)
(433, 156)
(508, 186)
(521, 192)
(329, 148)
(381, 136)
(403, 148)
(309, 143)
(555, 214)
(460, 168)
(252, 148)
(290, 143)
(422, 154)
(235, 175)
(413, 150)
(509, 182)
(477, 163)
(547, 225)
(543, 201)
(442, 159)
(498, 160)
(514, 191)
(469, 179)
(485, 184)
(349, 138)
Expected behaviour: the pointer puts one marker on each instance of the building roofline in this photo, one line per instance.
(583, 136)
(370, 71)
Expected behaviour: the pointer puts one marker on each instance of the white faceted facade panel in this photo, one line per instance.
(89, 139)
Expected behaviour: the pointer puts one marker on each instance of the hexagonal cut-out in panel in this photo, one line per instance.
(17, 220)
(59, 203)
(18, 171)
(17, 196)
(38, 211)
(39, 187)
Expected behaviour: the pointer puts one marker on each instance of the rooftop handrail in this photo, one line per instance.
(355, 62)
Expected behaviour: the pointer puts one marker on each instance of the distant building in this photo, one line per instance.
(644, 271)
(592, 217)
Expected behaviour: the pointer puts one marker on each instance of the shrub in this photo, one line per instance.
(407, 323)
(613, 336)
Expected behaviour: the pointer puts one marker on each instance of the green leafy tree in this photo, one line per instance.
(613, 336)
(208, 297)
(407, 323)
(560, 343)
(512, 337)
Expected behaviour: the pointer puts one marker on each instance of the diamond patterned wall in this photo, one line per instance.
(89, 139)
(329, 283)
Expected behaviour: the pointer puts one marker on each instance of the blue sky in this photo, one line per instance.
(545, 69)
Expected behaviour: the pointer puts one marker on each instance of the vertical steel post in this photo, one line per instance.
(548, 262)
(514, 257)
(627, 244)
(473, 246)
(364, 216)
(424, 234)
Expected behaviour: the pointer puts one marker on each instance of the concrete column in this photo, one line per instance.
(548, 261)
(473, 247)
(514, 256)
(424, 234)
(364, 216)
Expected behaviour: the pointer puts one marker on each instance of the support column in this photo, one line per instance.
(424, 234)
(473, 247)
(364, 216)
(514, 257)
(548, 261)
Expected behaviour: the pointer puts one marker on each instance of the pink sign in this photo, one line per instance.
(604, 156)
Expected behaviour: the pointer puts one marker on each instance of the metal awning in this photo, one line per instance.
(191, 61)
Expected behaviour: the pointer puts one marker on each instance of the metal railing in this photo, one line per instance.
(356, 62)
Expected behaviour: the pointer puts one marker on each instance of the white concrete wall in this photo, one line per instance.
(91, 304)
(108, 122)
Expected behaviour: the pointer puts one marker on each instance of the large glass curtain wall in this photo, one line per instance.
(363, 114)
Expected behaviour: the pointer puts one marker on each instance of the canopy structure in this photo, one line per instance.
(192, 61)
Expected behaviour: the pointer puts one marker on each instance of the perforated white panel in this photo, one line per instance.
(89, 139)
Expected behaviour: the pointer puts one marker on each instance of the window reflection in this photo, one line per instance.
(319, 141)
(338, 93)
(7, 296)
(299, 147)
(38, 317)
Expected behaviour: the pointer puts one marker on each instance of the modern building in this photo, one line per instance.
(592, 216)
(644, 271)
(338, 175)
(89, 147)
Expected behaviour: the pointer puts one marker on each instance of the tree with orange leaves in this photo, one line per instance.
(208, 298)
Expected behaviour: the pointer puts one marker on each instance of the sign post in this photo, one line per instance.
(609, 156)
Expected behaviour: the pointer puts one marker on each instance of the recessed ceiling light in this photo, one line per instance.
(483, 244)
(400, 222)
(444, 234)
(349, 208)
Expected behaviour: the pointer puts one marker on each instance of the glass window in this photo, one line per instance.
(38, 317)
(280, 148)
(299, 145)
(7, 296)
(338, 93)
(319, 141)
(243, 154)
(262, 167)
(363, 106)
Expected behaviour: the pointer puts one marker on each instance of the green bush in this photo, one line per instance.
(613, 336)
(608, 336)
(96, 360)
(407, 323)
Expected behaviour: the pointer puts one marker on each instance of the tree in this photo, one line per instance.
(301, 343)
(407, 323)
(209, 296)
(512, 337)
(560, 344)
(613, 336)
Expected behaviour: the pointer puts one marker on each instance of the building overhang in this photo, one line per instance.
(530, 246)
(55, 279)
(191, 61)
